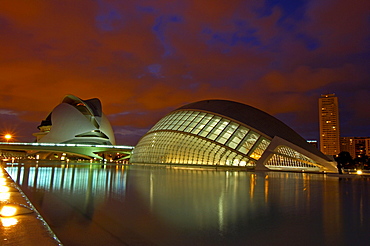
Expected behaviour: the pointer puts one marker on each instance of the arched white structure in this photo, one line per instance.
(76, 121)
(226, 133)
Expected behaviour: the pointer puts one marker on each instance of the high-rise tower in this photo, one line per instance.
(329, 124)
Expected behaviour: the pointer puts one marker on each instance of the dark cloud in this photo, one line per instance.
(144, 59)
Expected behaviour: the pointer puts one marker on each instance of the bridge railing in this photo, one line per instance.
(69, 145)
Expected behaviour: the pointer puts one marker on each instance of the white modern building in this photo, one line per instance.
(224, 133)
(76, 121)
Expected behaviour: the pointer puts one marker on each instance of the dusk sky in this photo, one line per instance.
(144, 58)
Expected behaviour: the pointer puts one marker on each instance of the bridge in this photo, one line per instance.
(82, 150)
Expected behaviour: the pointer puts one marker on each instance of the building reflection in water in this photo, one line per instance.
(88, 181)
(168, 206)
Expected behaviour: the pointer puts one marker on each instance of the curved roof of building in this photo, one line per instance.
(92, 105)
(254, 118)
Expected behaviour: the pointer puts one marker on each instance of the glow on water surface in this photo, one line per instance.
(95, 204)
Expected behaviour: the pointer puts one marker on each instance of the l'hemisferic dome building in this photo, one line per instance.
(227, 133)
(76, 121)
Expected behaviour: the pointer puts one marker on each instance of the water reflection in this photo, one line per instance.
(8, 222)
(146, 205)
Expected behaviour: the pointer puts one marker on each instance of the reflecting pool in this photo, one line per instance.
(95, 204)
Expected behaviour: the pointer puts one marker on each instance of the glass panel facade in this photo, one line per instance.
(196, 118)
(218, 129)
(180, 126)
(189, 123)
(211, 124)
(248, 142)
(177, 148)
(193, 137)
(260, 148)
(287, 157)
(202, 124)
(226, 134)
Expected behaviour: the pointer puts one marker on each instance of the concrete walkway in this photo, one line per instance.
(20, 222)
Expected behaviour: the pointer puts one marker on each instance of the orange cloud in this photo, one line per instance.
(144, 59)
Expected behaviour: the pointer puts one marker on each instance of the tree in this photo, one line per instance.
(344, 158)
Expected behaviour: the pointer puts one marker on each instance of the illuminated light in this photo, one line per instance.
(7, 137)
(9, 221)
(8, 211)
(2, 181)
(4, 196)
(47, 144)
(4, 189)
(359, 172)
(84, 145)
(255, 156)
